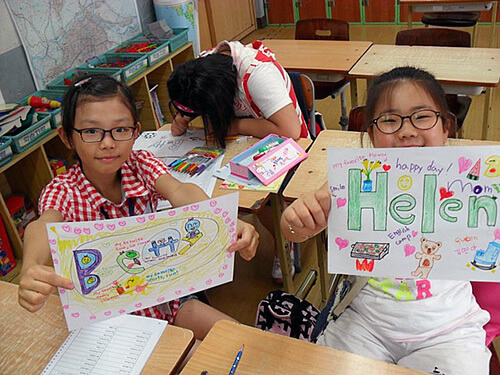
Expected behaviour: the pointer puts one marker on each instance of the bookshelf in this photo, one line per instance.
(28, 172)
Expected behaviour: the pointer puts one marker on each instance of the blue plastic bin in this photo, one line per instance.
(137, 63)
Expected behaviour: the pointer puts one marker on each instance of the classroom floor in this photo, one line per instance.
(252, 280)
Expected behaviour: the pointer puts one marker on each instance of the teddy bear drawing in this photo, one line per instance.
(427, 255)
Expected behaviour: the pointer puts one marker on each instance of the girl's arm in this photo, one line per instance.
(181, 194)
(307, 216)
(38, 280)
(284, 122)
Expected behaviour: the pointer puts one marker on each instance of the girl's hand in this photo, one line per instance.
(247, 240)
(307, 216)
(179, 124)
(37, 284)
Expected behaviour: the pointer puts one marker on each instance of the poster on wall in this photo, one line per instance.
(60, 35)
(123, 265)
(407, 213)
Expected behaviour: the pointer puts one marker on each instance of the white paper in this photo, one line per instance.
(163, 144)
(415, 213)
(132, 263)
(118, 346)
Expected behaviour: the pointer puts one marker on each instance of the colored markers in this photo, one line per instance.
(196, 160)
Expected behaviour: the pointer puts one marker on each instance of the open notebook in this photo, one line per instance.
(116, 346)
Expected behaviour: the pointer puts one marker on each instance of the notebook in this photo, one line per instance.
(116, 346)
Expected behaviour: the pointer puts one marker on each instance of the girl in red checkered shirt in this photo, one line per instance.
(110, 181)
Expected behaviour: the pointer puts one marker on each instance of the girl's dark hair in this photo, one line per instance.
(92, 88)
(381, 88)
(207, 85)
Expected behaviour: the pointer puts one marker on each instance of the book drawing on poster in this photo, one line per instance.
(123, 265)
(405, 214)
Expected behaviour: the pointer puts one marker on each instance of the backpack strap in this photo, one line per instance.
(358, 284)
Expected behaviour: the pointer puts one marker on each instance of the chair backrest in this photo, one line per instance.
(322, 29)
(356, 118)
(433, 37)
(304, 91)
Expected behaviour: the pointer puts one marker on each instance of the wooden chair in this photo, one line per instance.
(326, 29)
(433, 37)
(356, 118)
(458, 104)
(452, 19)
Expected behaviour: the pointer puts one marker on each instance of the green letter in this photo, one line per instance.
(485, 202)
(456, 205)
(408, 204)
(429, 203)
(358, 200)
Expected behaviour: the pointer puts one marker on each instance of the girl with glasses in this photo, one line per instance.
(110, 181)
(439, 331)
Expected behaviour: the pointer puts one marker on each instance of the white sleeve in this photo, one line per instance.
(268, 89)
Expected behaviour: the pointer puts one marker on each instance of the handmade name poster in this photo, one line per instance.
(128, 264)
(415, 213)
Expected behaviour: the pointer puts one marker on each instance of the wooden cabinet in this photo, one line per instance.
(30, 171)
(347, 10)
(380, 11)
(311, 8)
(279, 12)
(225, 20)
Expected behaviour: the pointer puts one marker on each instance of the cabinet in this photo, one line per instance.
(28, 172)
(225, 20)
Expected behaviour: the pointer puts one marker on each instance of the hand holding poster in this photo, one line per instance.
(415, 213)
(123, 265)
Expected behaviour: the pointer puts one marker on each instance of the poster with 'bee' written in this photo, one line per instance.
(123, 265)
(428, 213)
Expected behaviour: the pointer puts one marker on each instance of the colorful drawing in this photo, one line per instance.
(427, 255)
(369, 166)
(426, 214)
(493, 169)
(475, 171)
(487, 259)
(123, 265)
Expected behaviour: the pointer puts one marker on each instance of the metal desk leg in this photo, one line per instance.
(282, 244)
(322, 266)
(486, 113)
(354, 92)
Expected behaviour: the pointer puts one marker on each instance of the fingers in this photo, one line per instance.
(179, 125)
(37, 284)
(247, 241)
(309, 214)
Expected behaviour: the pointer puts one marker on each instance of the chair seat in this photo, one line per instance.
(324, 90)
(451, 19)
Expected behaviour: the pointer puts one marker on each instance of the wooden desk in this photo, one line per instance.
(28, 341)
(412, 3)
(325, 57)
(269, 353)
(478, 67)
(313, 173)
(252, 201)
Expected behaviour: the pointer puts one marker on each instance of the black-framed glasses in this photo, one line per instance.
(94, 135)
(423, 119)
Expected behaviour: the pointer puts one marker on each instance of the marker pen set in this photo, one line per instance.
(196, 161)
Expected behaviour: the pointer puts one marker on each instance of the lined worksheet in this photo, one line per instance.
(117, 346)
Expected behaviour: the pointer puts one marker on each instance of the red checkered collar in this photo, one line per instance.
(131, 186)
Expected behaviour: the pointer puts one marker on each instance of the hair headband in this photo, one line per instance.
(185, 111)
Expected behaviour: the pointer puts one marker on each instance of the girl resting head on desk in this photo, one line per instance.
(110, 181)
(236, 90)
(443, 331)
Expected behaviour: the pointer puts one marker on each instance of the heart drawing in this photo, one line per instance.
(341, 243)
(409, 250)
(463, 164)
(445, 193)
(341, 202)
